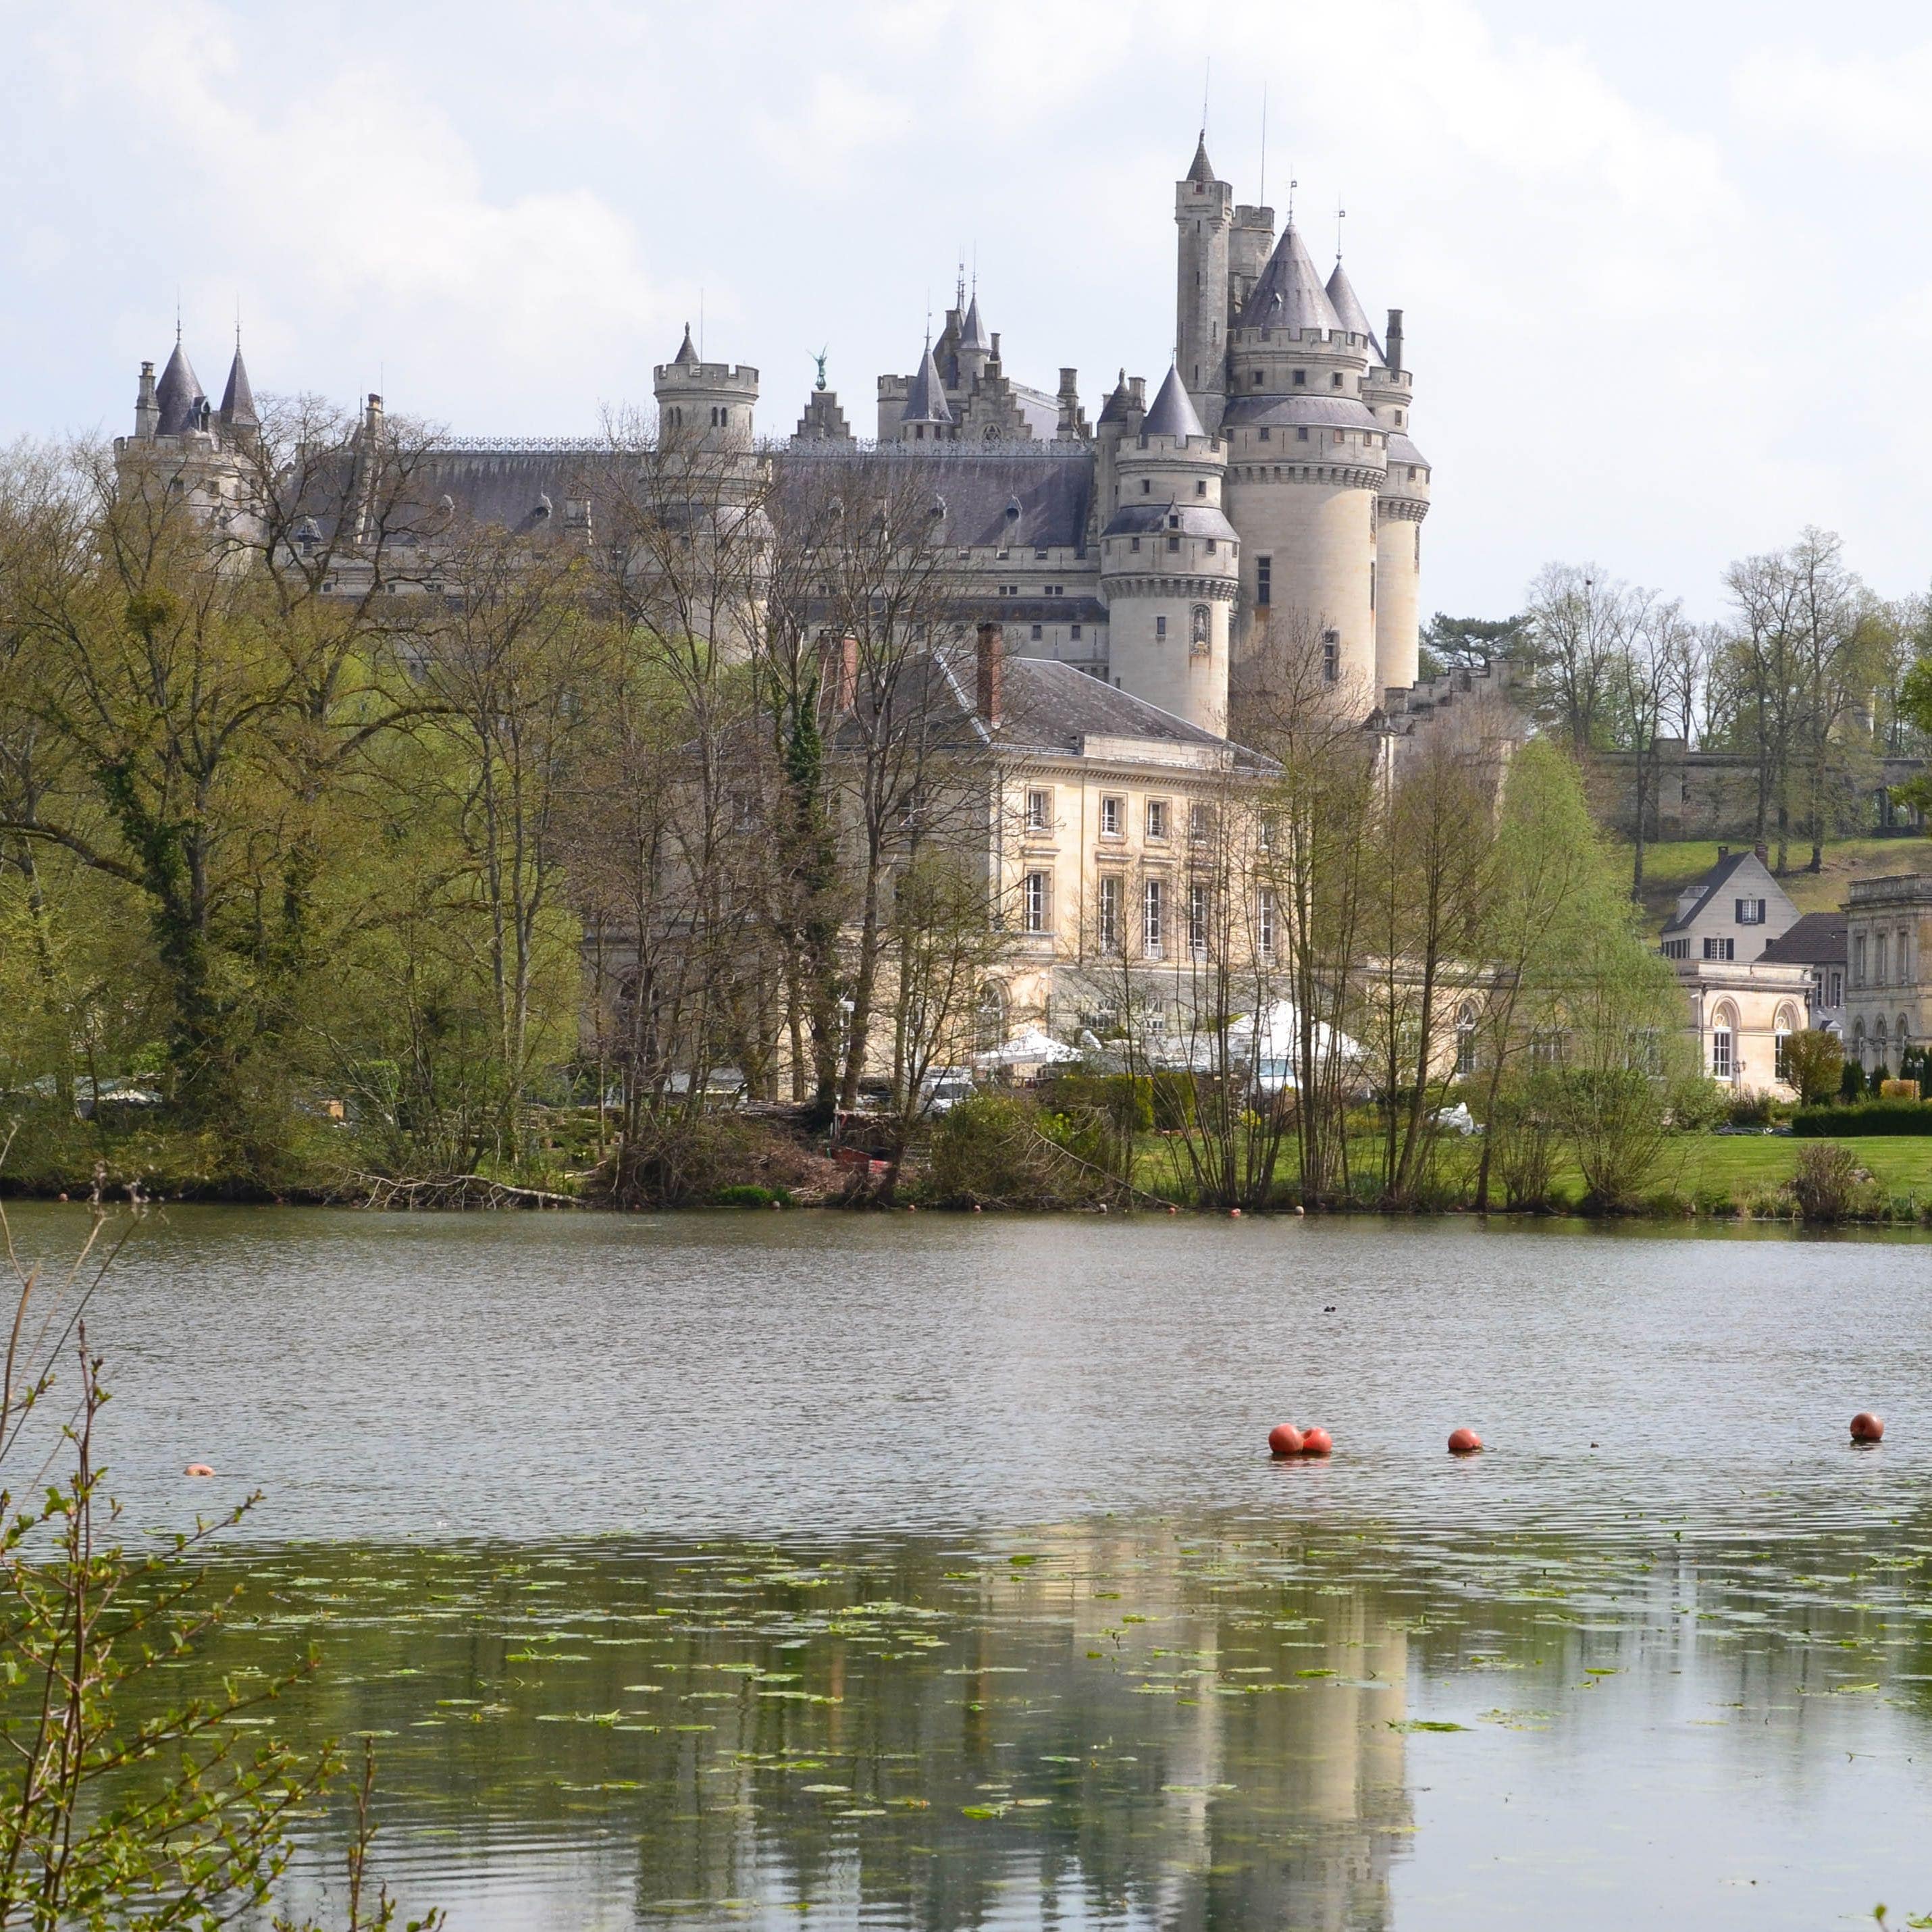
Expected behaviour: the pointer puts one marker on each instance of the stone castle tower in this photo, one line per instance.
(1323, 483)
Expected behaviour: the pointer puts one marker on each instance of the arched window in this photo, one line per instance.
(1782, 1027)
(990, 1023)
(1465, 1040)
(1723, 1043)
(1881, 1060)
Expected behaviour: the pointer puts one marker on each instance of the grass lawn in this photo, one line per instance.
(1668, 868)
(1901, 1163)
(1710, 1169)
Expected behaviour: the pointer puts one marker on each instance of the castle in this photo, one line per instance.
(1268, 497)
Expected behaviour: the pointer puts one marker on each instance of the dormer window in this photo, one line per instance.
(1263, 432)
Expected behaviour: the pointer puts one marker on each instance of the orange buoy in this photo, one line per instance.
(197, 1469)
(1316, 1442)
(1867, 1427)
(1284, 1439)
(1464, 1442)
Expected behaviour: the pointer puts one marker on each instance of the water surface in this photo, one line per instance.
(927, 1573)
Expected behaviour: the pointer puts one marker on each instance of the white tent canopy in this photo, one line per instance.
(1032, 1047)
(1273, 1037)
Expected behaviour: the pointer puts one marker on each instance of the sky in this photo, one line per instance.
(1665, 267)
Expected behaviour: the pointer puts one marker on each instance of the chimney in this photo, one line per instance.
(839, 671)
(1724, 853)
(1763, 854)
(991, 655)
(1392, 342)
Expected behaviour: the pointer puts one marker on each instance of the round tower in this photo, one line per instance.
(1170, 564)
(1306, 461)
(704, 405)
(1403, 503)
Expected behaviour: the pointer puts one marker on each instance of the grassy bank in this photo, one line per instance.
(1670, 867)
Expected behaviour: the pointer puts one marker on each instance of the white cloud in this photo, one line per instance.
(1657, 327)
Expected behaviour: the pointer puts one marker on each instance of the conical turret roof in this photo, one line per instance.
(1202, 170)
(1290, 295)
(925, 400)
(686, 357)
(972, 331)
(1341, 294)
(238, 399)
(176, 393)
(1173, 413)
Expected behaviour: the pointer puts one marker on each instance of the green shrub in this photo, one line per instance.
(999, 1150)
(1825, 1183)
(1866, 1117)
(1851, 1083)
(745, 1194)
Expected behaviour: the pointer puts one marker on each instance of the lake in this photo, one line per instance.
(912, 1571)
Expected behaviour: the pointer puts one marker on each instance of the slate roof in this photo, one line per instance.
(176, 393)
(1173, 413)
(1195, 520)
(1050, 707)
(1053, 494)
(687, 352)
(1707, 887)
(238, 399)
(1289, 294)
(1401, 450)
(1301, 409)
(1341, 292)
(1818, 939)
(972, 331)
(1201, 169)
(925, 399)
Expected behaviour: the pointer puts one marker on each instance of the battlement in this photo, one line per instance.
(741, 379)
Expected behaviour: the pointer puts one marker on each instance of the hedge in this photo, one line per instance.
(1868, 1117)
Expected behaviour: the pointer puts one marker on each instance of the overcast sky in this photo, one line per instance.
(1665, 262)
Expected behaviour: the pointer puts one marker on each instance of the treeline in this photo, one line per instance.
(340, 835)
(1810, 675)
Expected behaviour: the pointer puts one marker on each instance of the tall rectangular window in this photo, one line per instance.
(1197, 920)
(1331, 655)
(1264, 581)
(1113, 814)
(1039, 901)
(1720, 1053)
(1153, 907)
(1858, 960)
(1160, 627)
(1265, 923)
(1039, 810)
(1156, 818)
(1110, 913)
(1878, 961)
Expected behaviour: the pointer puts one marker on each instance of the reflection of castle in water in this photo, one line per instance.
(1229, 1758)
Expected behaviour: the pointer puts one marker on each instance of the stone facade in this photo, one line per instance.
(1889, 993)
